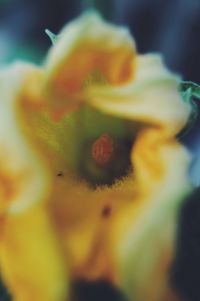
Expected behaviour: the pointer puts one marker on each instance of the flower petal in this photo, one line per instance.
(143, 238)
(87, 46)
(152, 97)
(31, 262)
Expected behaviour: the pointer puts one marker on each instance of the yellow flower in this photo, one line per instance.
(91, 173)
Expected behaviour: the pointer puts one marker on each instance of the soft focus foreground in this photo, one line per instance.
(92, 175)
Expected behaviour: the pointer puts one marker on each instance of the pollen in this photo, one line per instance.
(102, 149)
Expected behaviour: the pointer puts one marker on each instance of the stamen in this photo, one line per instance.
(102, 149)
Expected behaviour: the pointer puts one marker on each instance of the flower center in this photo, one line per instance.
(105, 159)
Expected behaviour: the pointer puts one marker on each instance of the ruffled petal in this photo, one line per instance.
(87, 50)
(152, 97)
(142, 238)
(30, 259)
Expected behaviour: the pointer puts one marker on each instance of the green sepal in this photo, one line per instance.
(53, 37)
(190, 86)
(189, 91)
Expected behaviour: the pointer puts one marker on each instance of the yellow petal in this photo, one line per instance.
(152, 97)
(86, 46)
(31, 262)
(143, 237)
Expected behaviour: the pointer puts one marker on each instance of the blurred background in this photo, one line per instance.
(171, 27)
